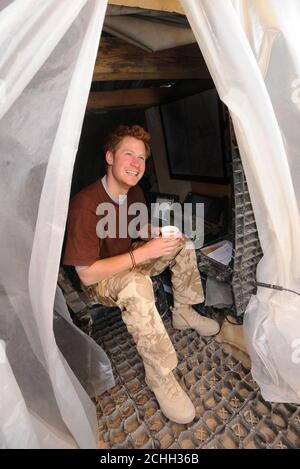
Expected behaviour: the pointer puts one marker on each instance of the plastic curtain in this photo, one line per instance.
(251, 49)
(48, 50)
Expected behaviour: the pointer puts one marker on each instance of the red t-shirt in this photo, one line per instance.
(83, 246)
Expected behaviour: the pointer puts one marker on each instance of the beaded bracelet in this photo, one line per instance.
(132, 260)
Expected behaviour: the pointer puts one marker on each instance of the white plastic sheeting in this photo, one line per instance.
(13, 410)
(138, 30)
(48, 50)
(252, 50)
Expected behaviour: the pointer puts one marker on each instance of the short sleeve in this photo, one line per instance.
(82, 242)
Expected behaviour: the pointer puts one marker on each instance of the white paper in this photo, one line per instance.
(222, 254)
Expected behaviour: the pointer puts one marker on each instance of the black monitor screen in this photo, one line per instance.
(193, 137)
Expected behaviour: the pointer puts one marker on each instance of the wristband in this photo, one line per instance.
(132, 260)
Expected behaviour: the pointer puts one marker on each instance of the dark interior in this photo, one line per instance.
(90, 165)
(191, 162)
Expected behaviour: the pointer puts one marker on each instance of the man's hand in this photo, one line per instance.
(161, 247)
(106, 268)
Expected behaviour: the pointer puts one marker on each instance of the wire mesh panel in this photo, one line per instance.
(247, 249)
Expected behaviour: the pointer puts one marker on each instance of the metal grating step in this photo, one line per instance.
(230, 411)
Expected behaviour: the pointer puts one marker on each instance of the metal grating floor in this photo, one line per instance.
(230, 411)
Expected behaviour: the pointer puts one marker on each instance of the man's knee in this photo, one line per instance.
(137, 285)
(187, 246)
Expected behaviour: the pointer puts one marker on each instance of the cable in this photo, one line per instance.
(275, 287)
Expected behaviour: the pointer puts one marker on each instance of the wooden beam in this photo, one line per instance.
(141, 97)
(161, 5)
(119, 60)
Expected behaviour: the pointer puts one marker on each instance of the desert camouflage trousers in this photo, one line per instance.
(132, 292)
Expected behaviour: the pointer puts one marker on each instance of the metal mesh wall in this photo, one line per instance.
(247, 249)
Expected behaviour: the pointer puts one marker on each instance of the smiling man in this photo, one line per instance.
(115, 272)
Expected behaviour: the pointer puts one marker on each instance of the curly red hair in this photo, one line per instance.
(136, 131)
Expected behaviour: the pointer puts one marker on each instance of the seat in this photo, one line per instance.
(81, 308)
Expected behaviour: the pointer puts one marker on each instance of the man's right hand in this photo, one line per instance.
(159, 247)
(106, 268)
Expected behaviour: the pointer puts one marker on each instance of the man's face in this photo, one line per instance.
(127, 163)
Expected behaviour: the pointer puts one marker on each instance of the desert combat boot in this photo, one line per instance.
(185, 317)
(174, 403)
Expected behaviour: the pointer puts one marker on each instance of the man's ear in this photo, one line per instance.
(109, 157)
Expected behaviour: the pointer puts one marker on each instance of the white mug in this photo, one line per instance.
(170, 232)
